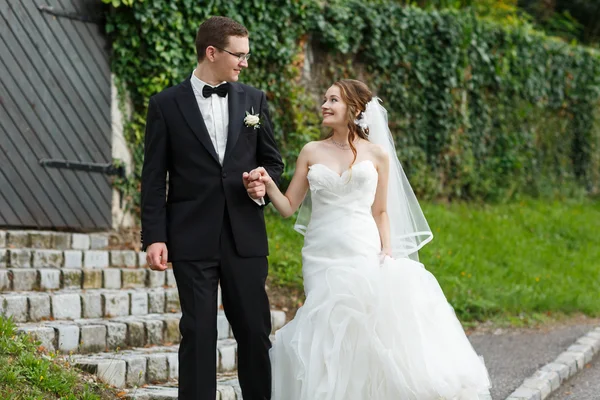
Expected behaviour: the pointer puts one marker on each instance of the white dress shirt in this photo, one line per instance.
(215, 112)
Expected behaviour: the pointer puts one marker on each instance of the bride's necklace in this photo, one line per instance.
(343, 146)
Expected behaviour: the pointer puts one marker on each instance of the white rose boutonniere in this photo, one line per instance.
(252, 120)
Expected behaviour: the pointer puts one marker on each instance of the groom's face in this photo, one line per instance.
(229, 65)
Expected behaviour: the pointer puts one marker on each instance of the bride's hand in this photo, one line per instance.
(264, 176)
(385, 252)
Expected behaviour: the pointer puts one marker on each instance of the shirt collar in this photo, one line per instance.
(198, 84)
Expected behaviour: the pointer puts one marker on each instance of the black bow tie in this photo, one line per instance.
(220, 90)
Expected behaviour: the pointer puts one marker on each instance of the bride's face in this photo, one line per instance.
(334, 108)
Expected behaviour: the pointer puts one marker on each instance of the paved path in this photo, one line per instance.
(583, 386)
(511, 356)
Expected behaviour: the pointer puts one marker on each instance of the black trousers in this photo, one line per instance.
(246, 306)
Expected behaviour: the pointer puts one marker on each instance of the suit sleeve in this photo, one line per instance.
(154, 173)
(268, 155)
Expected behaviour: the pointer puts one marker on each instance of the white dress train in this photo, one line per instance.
(368, 330)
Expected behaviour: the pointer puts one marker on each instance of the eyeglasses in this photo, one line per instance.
(241, 57)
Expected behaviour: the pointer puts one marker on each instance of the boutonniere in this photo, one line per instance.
(252, 120)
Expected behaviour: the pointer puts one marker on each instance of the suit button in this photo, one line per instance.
(224, 175)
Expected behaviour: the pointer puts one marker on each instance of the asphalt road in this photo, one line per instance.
(511, 356)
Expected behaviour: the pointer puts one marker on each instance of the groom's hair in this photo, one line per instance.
(216, 32)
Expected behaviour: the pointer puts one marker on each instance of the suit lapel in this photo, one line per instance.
(236, 100)
(186, 100)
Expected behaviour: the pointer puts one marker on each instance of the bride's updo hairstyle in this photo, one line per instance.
(356, 95)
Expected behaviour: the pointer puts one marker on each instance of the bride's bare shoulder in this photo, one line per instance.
(308, 152)
(311, 148)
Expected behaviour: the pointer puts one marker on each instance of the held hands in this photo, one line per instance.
(157, 256)
(255, 182)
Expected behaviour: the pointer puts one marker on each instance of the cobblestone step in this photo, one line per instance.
(96, 335)
(27, 257)
(140, 366)
(47, 279)
(228, 388)
(54, 240)
(159, 367)
(92, 303)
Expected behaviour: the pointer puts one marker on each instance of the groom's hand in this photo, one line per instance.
(157, 256)
(261, 174)
(253, 183)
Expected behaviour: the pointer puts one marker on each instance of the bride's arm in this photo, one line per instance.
(379, 208)
(288, 204)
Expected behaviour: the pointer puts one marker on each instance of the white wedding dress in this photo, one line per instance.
(368, 330)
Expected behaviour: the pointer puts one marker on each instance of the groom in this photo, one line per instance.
(211, 225)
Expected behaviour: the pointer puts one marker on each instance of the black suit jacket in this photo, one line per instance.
(200, 190)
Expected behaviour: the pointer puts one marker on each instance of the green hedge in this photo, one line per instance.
(479, 111)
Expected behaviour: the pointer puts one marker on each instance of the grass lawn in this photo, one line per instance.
(529, 260)
(27, 373)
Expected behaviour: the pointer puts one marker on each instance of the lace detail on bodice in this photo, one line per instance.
(341, 206)
(361, 178)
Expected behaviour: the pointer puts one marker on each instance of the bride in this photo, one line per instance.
(375, 324)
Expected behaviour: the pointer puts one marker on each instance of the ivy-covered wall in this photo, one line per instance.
(479, 111)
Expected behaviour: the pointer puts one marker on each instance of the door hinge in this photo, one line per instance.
(108, 169)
